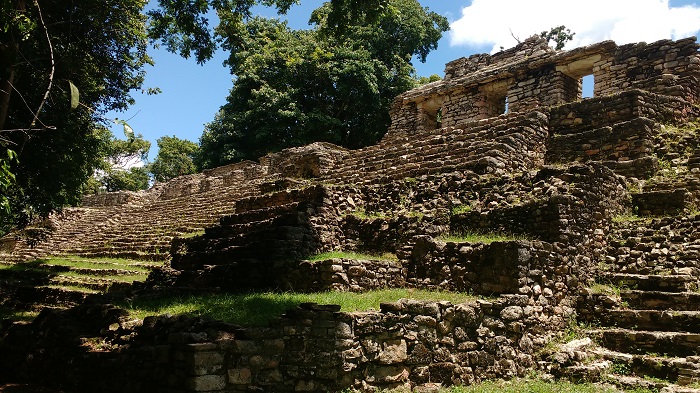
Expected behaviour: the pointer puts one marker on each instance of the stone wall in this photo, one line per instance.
(311, 348)
(531, 76)
(311, 161)
(666, 67)
(668, 245)
(111, 199)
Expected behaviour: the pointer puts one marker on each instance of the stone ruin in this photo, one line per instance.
(505, 143)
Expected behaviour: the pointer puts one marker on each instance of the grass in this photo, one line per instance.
(628, 217)
(256, 309)
(476, 237)
(363, 214)
(532, 386)
(352, 255)
(17, 315)
(191, 234)
(96, 264)
(459, 209)
(529, 385)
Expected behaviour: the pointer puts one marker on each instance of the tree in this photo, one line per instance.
(175, 158)
(183, 25)
(50, 51)
(326, 84)
(560, 35)
(122, 168)
(132, 179)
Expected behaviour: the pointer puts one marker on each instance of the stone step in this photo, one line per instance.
(652, 320)
(40, 296)
(673, 371)
(633, 383)
(137, 255)
(658, 300)
(92, 284)
(257, 214)
(646, 282)
(648, 342)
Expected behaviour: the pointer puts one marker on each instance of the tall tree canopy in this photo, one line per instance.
(333, 83)
(176, 157)
(49, 51)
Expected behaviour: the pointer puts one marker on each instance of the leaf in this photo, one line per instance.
(128, 131)
(74, 95)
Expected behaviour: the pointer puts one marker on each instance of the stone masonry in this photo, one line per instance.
(503, 144)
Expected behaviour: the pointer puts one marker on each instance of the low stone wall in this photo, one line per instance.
(309, 349)
(545, 272)
(110, 199)
(622, 141)
(598, 112)
(341, 274)
(310, 161)
(667, 67)
(669, 245)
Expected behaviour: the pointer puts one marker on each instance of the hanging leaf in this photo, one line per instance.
(74, 95)
(128, 131)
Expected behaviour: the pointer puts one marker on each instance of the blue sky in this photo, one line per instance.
(192, 94)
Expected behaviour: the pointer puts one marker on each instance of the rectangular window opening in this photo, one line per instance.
(587, 84)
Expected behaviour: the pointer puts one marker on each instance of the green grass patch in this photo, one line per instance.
(78, 263)
(629, 217)
(95, 264)
(459, 209)
(76, 288)
(476, 237)
(17, 315)
(191, 234)
(531, 386)
(352, 255)
(363, 214)
(256, 309)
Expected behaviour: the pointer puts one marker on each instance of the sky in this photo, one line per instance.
(192, 94)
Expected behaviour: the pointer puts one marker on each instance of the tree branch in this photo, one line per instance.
(53, 67)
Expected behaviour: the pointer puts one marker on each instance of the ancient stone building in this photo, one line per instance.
(505, 143)
(532, 75)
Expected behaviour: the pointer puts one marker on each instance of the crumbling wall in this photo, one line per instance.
(529, 77)
(665, 67)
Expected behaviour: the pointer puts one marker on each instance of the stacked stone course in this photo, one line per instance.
(554, 169)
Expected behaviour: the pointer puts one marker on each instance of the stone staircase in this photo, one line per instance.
(245, 249)
(63, 282)
(498, 145)
(646, 312)
(136, 230)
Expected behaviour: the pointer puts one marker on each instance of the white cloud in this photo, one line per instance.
(490, 22)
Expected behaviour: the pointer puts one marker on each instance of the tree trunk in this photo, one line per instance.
(7, 69)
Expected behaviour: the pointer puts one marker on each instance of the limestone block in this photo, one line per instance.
(239, 376)
(207, 383)
(393, 351)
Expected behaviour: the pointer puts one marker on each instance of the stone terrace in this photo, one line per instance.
(602, 193)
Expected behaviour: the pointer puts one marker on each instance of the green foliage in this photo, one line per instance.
(476, 237)
(352, 255)
(423, 80)
(294, 87)
(628, 217)
(132, 179)
(532, 385)
(175, 158)
(100, 48)
(183, 25)
(459, 209)
(560, 35)
(7, 179)
(257, 309)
